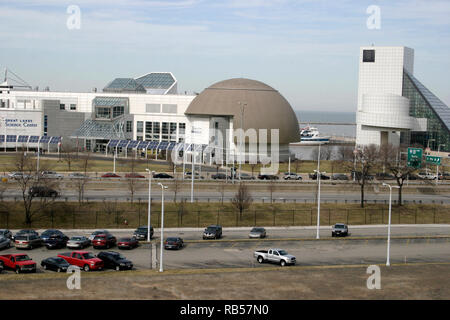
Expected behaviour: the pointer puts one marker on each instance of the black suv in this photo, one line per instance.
(42, 192)
(212, 232)
(141, 233)
(313, 176)
(268, 177)
(162, 176)
(115, 260)
(56, 241)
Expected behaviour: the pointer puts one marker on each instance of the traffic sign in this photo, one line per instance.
(433, 160)
(415, 157)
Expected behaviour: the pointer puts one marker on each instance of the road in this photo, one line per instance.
(232, 252)
(258, 196)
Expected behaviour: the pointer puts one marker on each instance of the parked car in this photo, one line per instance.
(115, 260)
(173, 243)
(268, 177)
(97, 232)
(384, 176)
(339, 229)
(426, 176)
(291, 176)
(220, 176)
(134, 175)
(162, 175)
(78, 242)
(56, 264)
(245, 176)
(23, 232)
(6, 233)
(18, 262)
(4, 242)
(339, 176)
(257, 232)
(52, 232)
(77, 175)
(188, 174)
(127, 243)
(18, 175)
(110, 175)
(278, 256)
(212, 232)
(358, 175)
(27, 241)
(313, 176)
(444, 176)
(141, 233)
(83, 259)
(42, 191)
(51, 175)
(56, 241)
(104, 241)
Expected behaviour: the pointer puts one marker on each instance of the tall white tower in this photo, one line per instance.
(382, 110)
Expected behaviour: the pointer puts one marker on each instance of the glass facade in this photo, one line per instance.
(423, 104)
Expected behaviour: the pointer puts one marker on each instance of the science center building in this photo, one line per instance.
(145, 114)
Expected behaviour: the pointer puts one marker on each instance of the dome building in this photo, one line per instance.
(242, 103)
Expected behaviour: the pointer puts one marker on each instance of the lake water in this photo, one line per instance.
(304, 117)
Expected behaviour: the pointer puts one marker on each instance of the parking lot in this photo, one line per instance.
(237, 254)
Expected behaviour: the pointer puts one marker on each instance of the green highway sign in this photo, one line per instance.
(415, 157)
(433, 160)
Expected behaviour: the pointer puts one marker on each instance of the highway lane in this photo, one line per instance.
(225, 254)
(258, 196)
(286, 232)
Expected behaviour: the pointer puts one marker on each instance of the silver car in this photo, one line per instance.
(4, 242)
(257, 233)
(78, 242)
(339, 229)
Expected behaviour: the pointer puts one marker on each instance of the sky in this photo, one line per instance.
(306, 49)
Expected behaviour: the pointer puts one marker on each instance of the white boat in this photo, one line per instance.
(310, 135)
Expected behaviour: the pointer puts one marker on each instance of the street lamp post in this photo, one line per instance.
(243, 105)
(388, 263)
(149, 238)
(318, 173)
(192, 174)
(162, 228)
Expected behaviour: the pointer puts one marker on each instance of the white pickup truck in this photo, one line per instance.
(278, 256)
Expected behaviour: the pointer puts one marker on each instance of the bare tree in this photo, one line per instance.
(82, 180)
(33, 203)
(176, 187)
(395, 166)
(271, 186)
(253, 167)
(70, 154)
(297, 163)
(221, 188)
(366, 159)
(242, 199)
(132, 178)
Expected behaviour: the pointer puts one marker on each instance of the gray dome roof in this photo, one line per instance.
(266, 108)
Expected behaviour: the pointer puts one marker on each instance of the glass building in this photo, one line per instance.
(424, 104)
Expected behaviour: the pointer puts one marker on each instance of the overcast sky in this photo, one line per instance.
(306, 49)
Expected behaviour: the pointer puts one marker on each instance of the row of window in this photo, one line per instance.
(158, 108)
(155, 131)
(70, 106)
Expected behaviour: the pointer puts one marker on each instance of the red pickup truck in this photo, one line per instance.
(83, 259)
(18, 262)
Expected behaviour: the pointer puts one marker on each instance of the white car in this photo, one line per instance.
(51, 175)
(426, 176)
(18, 175)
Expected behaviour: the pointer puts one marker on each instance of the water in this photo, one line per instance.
(304, 117)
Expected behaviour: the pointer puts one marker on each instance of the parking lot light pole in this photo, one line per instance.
(318, 193)
(192, 173)
(162, 228)
(149, 203)
(388, 263)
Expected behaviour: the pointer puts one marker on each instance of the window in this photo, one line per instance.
(118, 111)
(156, 130)
(169, 108)
(368, 55)
(103, 113)
(45, 125)
(140, 126)
(62, 106)
(73, 106)
(181, 128)
(148, 130)
(129, 126)
(165, 128)
(152, 108)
